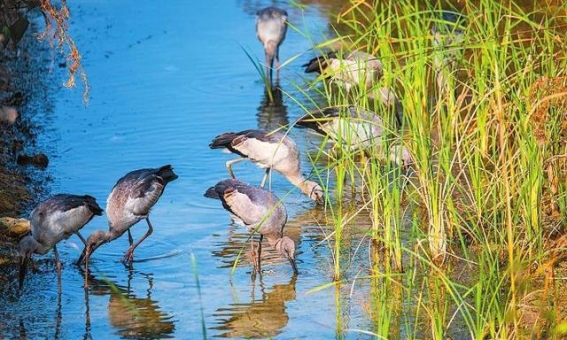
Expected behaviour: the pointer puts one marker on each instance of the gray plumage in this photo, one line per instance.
(129, 202)
(357, 69)
(351, 70)
(53, 220)
(354, 129)
(259, 210)
(271, 27)
(268, 150)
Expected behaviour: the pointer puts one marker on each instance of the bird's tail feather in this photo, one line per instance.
(93, 205)
(166, 172)
(221, 141)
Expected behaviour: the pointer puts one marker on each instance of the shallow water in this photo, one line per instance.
(166, 79)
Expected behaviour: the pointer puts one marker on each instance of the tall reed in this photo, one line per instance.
(486, 130)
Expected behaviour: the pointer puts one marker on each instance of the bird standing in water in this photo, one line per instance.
(53, 220)
(268, 150)
(359, 70)
(271, 27)
(354, 129)
(129, 202)
(353, 69)
(259, 210)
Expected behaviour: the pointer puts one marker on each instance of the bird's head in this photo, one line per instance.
(316, 193)
(94, 241)
(286, 247)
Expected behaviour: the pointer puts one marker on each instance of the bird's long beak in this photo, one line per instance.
(87, 254)
(82, 257)
(23, 269)
(293, 265)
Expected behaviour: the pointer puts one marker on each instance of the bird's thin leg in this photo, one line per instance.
(277, 65)
(57, 262)
(87, 255)
(129, 256)
(265, 178)
(230, 163)
(58, 265)
(268, 68)
(130, 238)
(82, 238)
(258, 268)
(255, 251)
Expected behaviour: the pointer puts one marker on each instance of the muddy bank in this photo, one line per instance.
(24, 79)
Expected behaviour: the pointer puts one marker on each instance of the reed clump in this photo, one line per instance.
(472, 235)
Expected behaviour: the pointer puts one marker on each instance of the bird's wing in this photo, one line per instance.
(60, 216)
(263, 147)
(145, 193)
(243, 205)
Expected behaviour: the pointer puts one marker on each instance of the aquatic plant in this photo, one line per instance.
(471, 233)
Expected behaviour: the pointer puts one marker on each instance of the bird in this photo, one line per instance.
(271, 27)
(448, 36)
(352, 69)
(259, 210)
(129, 202)
(354, 129)
(356, 69)
(53, 220)
(268, 150)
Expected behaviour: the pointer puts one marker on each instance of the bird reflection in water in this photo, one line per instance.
(133, 317)
(260, 318)
(272, 113)
(234, 249)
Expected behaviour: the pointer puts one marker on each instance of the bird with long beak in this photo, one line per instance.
(269, 150)
(271, 27)
(259, 210)
(129, 202)
(353, 129)
(53, 220)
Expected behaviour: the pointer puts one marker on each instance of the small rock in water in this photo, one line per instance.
(14, 227)
(39, 160)
(8, 114)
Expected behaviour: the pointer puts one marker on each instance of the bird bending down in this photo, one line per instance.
(354, 69)
(129, 202)
(259, 210)
(53, 220)
(268, 150)
(271, 27)
(359, 70)
(354, 129)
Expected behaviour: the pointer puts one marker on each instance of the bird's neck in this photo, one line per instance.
(275, 242)
(31, 245)
(113, 234)
(303, 184)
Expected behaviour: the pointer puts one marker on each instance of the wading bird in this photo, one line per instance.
(129, 202)
(271, 27)
(356, 69)
(259, 210)
(53, 220)
(268, 150)
(353, 69)
(354, 129)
